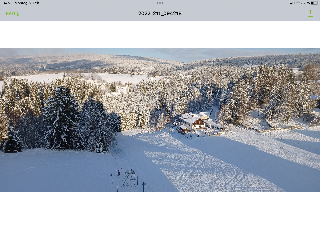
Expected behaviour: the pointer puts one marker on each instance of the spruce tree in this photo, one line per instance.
(304, 104)
(31, 130)
(94, 127)
(115, 122)
(239, 105)
(224, 115)
(3, 122)
(61, 117)
(283, 96)
(13, 144)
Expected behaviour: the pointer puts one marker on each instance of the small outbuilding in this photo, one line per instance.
(182, 129)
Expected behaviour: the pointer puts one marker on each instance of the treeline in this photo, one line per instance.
(290, 60)
(277, 91)
(32, 108)
(280, 94)
(65, 114)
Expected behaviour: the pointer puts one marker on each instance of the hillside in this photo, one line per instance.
(167, 161)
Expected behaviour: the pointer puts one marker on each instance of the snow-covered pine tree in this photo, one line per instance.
(265, 81)
(35, 98)
(115, 122)
(95, 128)
(291, 94)
(61, 117)
(304, 104)
(13, 144)
(239, 105)
(3, 122)
(282, 104)
(31, 130)
(224, 115)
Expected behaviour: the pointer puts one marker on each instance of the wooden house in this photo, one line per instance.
(199, 123)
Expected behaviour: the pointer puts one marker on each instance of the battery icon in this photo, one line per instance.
(314, 3)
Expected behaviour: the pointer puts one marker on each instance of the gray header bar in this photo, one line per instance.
(159, 10)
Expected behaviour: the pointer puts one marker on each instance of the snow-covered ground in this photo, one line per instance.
(241, 160)
(124, 78)
(292, 165)
(47, 170)
(41, 77)
(105, 77)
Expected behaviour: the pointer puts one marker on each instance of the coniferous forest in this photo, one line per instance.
(73, 113)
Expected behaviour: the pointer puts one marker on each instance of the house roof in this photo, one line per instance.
(183, 127)
(209, 122)
(205, 114)
(190, 117)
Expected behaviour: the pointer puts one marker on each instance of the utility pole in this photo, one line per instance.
(143, 183)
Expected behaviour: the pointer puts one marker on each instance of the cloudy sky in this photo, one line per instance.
(177, 54)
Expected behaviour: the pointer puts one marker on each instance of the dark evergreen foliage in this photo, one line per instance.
(95, 129)
(31, 130)
(61, 117)
(115, 122)
(13, 144)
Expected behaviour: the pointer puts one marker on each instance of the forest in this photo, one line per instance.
(72, 113)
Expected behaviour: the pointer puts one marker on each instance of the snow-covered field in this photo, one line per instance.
(47, 170)
(105, 77)
(124, 78)
(241, 160)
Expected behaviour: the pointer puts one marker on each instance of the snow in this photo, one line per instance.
(256, 121)
(72, 171)
(277, 148)
(214, 113)
(241, 160)
(124, 78)
(270, 162)
(47, 78)
(106, 77)
(204, 114)
(190, 117)
(192, 170)
(183, 127)
(314, 97)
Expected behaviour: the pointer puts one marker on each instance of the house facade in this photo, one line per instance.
(193, 121)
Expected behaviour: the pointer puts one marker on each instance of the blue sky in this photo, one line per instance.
(177, 54)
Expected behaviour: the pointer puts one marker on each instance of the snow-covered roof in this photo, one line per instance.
(213, 124)
(209, 122)
(183, 127)
(187, 115)
(191, 120)
(190, 117)
(205, 113)
(314, 97)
